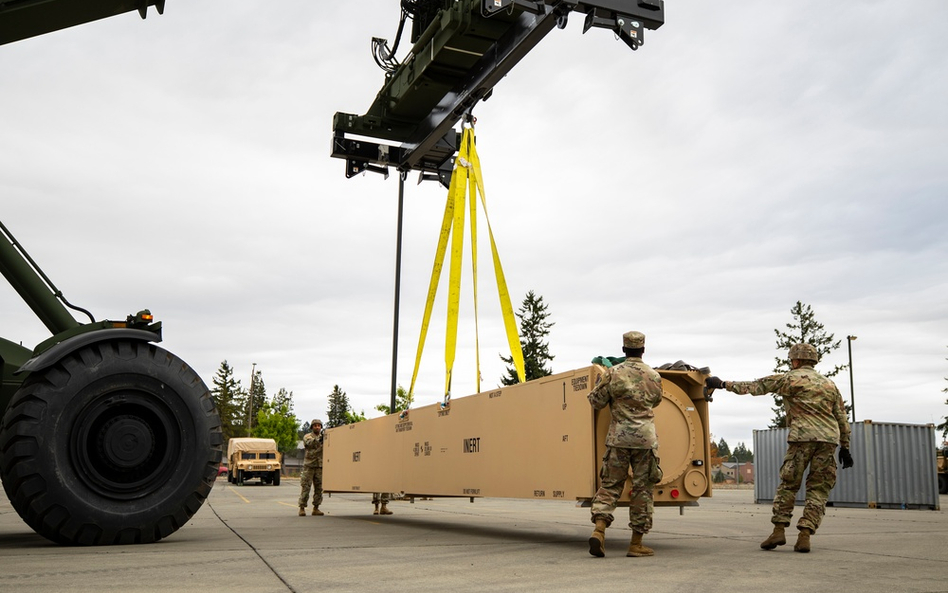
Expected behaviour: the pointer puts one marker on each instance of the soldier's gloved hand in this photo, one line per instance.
(714, 383)
(845, 458)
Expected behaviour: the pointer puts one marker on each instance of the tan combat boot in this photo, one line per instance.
(803, 541)
(597, 541)
(777, 538)
(636, 548)
(384, 510)
(302, 511)
(317, 512)
(376, 511)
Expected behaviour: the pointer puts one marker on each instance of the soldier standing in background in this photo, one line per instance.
(817, 419)
(631, 389)
(312, 474)
(381, 497)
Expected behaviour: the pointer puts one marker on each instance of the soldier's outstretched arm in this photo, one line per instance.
(771, 384)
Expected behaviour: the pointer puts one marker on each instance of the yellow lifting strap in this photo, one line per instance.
(466, 176)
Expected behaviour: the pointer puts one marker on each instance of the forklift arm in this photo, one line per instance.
(465, 49)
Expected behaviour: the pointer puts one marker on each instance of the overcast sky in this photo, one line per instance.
(750, 155)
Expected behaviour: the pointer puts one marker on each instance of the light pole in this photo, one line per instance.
(737, 470)
(852, 393)
(253, 372)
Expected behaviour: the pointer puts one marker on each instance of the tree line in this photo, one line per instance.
(722, 453)
(249, 412)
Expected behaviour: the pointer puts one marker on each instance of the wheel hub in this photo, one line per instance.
(126, 442)
(125, 445)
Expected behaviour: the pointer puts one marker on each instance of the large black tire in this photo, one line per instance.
(276, 478)
(943, 483)
(118, 443)
(240, 477)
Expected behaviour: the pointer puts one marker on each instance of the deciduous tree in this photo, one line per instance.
(352, 417)
(403, 401)
(276, 421)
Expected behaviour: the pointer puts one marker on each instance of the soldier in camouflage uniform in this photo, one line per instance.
(383, 498)
(312, 474)
(817, 419)
(631, 389)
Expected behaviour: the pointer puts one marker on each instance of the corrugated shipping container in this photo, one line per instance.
(895, 467)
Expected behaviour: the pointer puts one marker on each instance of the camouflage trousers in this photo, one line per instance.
(380, 497)
(613, 474)
(311, 477)
(819, 482)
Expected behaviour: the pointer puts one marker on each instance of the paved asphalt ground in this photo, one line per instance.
(251, 539)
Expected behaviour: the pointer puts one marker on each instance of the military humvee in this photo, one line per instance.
(250, 458)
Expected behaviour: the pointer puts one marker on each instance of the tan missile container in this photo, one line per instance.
(539, 439)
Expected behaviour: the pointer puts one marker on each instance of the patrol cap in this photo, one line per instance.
(633, 340)
(804, 352)
(316, 421)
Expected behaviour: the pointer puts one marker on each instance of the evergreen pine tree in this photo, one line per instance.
(743, 454)
(304, 427)
(228, 397)
(804, 329)
(338, 408)
(284, 396)
(534, 328)
(724, 451)
(257, 397)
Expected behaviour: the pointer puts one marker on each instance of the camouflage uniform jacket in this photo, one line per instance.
(631, 389)
(815, 409)
(313, 443)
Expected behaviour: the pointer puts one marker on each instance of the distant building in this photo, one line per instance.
(293, 460)
(729, 471)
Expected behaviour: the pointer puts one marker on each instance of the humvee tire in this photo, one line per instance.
(117, 443)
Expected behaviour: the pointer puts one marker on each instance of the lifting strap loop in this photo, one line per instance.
(510, 322)
(467, 168)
